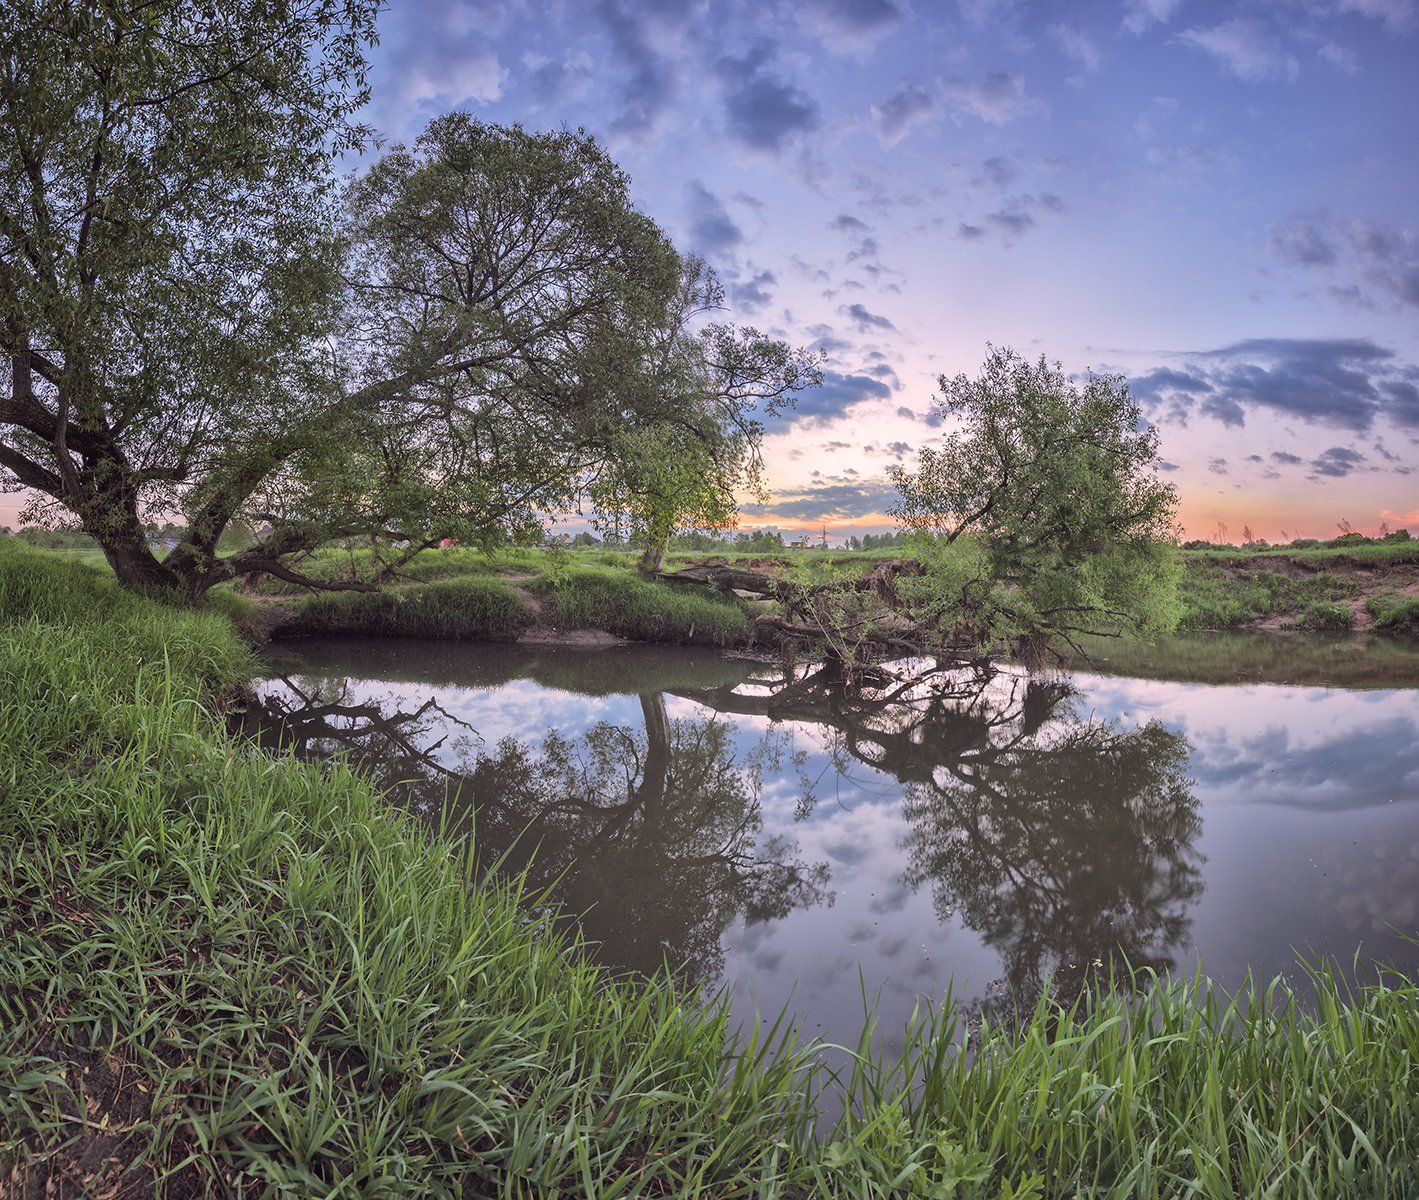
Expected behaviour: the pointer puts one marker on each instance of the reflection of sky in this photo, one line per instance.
(1310, 838)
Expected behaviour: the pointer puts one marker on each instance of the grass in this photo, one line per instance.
(226, 972)
(631, 606)
(471, 607)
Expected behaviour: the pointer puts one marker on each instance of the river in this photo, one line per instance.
(806, 847)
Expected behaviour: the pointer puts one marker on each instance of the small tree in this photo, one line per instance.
(715, 383)
(1041, 515)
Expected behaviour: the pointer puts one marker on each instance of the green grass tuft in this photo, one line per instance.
(1401, 617)
(1325, 615)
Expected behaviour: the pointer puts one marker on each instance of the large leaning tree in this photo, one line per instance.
(201, 321)
(1041, 517)
(168, 274)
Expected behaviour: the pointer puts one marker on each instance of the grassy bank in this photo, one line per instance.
(477, 608)
(620, 601)
(223, 972)
(1326, 589)
(468, 595)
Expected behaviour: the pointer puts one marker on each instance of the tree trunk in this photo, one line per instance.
(136, 567)
(653, 556)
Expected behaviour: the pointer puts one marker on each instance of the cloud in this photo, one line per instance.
(649, 87)
(838, 393)
(1289, 460)
(1345, 383)
(555, 80)
(998, 99)
(1382, 259)
(1337, 462)
(1077, 45)
(847, 223)
(1247, 49)
(764, 112)
(754, 293)
(432, 62)
(1398, 15)
(854, 21)
(1302, 245)
(1342, 58)
(1016, 217)
(998, 171)
(866, 321)
(828, 502)
(713, 232)
(1140, 15)
(1402, 398)
(932, 416)
(895, 117)
(1165, 380)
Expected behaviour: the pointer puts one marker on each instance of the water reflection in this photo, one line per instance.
(652, 834)
(1066, 843)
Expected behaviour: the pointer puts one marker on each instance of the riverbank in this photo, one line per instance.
(547, 596)
(593, 597)
(225, 972)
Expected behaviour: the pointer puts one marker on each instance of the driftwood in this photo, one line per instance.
(852, 620)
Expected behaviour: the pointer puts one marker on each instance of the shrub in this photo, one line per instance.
(1325, 614)
(1402, 618)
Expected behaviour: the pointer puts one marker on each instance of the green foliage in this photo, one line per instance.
(623, 603)
(474, 608)
(715, 382)
(1401, 617)
(485, 330)
(1326, 615)
(166, 297)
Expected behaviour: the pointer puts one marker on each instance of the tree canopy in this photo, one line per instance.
(199, 321)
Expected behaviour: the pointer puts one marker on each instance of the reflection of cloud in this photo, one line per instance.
(1377, 763)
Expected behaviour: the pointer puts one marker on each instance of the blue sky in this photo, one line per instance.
(1216, 199)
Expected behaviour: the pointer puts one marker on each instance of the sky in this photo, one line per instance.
(1217, 200)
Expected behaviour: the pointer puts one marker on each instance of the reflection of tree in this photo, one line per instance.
(1062, 841)
(653, 835)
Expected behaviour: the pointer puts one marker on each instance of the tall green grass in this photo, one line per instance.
(302, 995)
(472, 607)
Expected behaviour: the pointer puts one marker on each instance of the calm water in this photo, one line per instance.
(799, 844)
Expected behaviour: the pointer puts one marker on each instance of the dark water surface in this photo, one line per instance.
(800, 844)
